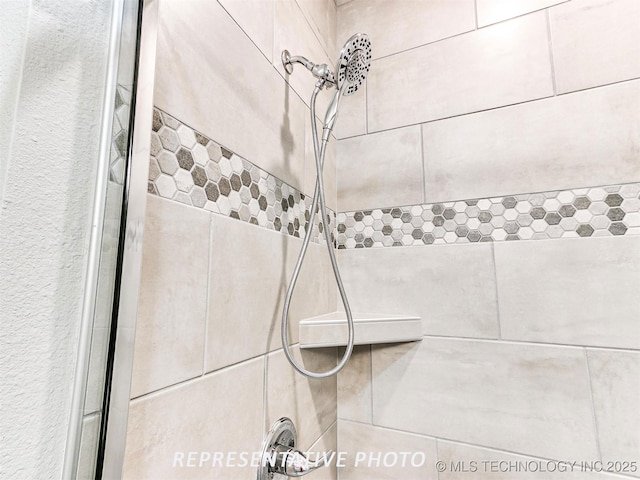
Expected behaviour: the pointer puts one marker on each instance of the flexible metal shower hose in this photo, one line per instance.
(317, 196)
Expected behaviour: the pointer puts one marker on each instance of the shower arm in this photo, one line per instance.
(320, 71)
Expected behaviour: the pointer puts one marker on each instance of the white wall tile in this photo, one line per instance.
(256, 18)
(250, 270)
(583, 139)
(310, 403)
(328, 443)
(492, 11)
(380, 170)
(221, 412)
(595, 42)
(492, 67)
(352, 115)
(397, 26)
(377, 446)
(615, 381)
(322, 17)
(354, 386)
(573, 291)
(213, 78)
(172, 303)
(522, 398)
(292, 32)
(451, 287)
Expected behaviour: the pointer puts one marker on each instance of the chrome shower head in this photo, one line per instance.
(354, 63)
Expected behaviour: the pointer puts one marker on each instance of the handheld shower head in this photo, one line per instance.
(354, 63)
(352, 68)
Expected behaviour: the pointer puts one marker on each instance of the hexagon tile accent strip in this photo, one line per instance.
(600, 211)
(189, 167)
(119, 132)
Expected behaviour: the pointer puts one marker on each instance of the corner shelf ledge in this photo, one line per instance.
(330, 330)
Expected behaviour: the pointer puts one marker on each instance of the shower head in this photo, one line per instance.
(354, 63)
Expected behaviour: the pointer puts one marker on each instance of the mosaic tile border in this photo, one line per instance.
(586, 212)
(119, 134)
(191, 168)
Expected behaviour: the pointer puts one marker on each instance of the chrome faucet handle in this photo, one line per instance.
(295, 463)
(280, 456)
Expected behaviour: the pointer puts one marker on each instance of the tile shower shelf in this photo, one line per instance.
(330, 330)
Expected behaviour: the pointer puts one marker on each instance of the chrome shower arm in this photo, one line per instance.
(321, 71)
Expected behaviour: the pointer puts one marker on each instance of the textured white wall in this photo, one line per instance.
(44, 220)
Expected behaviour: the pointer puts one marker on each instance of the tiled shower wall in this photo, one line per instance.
(230, 183)
(483, 121)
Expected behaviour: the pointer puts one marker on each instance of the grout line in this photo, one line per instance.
(310, 24)
(593, 405)
(371, 381)
(249, 36)
(424, 167)
(475, 12)
(498, 107)
(207, 303)
(551, 57)
(476, 28)
(437, 457)
(529, 343)
(432, 42)
(265, 397)
(366, 108)
(497, 297)
(195, 378)
(604, 85)
(537, 192)
(438, 438)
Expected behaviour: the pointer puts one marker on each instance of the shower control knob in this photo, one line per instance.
(279, 455)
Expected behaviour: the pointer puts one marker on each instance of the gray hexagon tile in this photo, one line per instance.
(119, 135)
(188, 167)
(586, 212)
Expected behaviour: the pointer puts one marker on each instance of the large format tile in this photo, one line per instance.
(256, 18)
(325, 445)
(615, 381)
(172, 304)
(492, 11)
(522, 398)
(293, 33)
(221, 412)
(373, 452)
(573, 291)
(595, 42)
(462, 462)
(310, 403)
(380, 170)
(397, 26)
(491, 67)
(583, 139)
(250, 270)
(451, 287)
(210, 76)
(322, 17)
(354, 386)
(352, 115)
